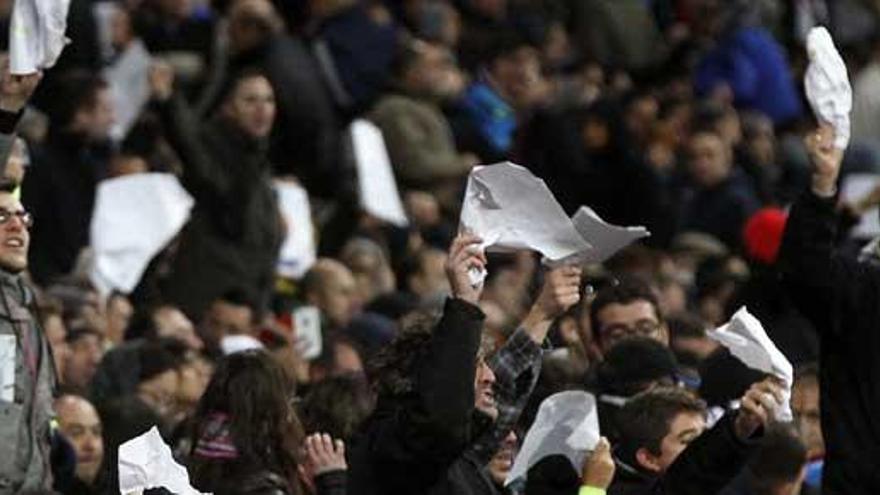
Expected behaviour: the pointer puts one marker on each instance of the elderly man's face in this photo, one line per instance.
(14, 235)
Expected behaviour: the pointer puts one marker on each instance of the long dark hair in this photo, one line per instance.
(251, 392)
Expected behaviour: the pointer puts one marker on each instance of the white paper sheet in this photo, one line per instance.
(827, 85)
(36, 34)
(146, 462)
(376, 183)
(299, 252)
(129, 85)
(854, 188)
(567, 424)
(232, 344)
(7, 368)
(606, 239)
(135, 217)
(511, 209)
(746, 339)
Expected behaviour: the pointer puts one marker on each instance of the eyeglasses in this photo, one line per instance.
(641, 328)
(26, 218)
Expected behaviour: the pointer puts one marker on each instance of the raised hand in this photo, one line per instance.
(826, 159)
(758, 406)
(561, 291)
(465, 255)
(598, 470)
(161, 80)
(323, 454)
(15, 91)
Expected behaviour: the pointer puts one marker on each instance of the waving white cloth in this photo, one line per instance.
(36, 34)
(827, 85)
(746, 339)
(146, 462)
(511, 209)
(567, 424)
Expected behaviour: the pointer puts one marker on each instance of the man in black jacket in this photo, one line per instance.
(841, 297)
(443, 409)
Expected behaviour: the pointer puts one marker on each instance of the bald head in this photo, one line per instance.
(330, 286)
(80, 424)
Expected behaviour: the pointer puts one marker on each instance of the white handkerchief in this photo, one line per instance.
(135, 217)
(606, 239)
(146, 462)
(746, 339)
(36, 34)
(7, 368)
(511, 209)
(376, 183)
(299, 251)
(129, 86)
(827, 85)
(567, 424)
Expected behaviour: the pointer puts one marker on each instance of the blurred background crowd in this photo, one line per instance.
(685, 116)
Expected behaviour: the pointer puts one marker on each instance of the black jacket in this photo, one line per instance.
(841, 297)
(59, 190)
(408, 445)
(232, 240)
(706, 466)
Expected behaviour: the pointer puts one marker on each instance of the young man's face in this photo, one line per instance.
(635, 319)
(683, 429)
(805, 406)
(14, 235)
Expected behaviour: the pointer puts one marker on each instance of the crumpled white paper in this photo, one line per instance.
(145, 462)
(36, 34)
(511, 209)
(827, 85)
(567, 424)
(605, 239)
(299, 251)
(135, 217)
(746, 339)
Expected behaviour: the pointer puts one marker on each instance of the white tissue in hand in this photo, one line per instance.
(36, 34)
(746, 339)
(511, 209)
(567, 424)
(827, 85)
(146, 462)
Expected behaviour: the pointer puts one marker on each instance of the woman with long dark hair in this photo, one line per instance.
(247, 437)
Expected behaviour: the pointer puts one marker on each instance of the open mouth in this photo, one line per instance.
(14, 242)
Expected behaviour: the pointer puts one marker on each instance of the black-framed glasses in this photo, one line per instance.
(26, 218)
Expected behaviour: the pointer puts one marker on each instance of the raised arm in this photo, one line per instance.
(15, 91)
(815, 275)
(200, 172)
(517, 364)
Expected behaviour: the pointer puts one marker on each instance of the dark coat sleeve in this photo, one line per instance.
(332, 483)
(821, 282)
(708, 464)
(436, 425)
(202, 172)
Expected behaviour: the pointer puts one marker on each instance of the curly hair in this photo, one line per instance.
(391, 371)
(251, 389)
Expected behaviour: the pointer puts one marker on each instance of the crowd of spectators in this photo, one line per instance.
(684, 116)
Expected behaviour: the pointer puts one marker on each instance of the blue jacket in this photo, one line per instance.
(752, 63)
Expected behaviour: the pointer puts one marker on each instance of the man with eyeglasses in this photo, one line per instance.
(628, 308)
(27, 374)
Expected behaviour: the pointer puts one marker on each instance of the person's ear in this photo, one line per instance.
(648, 461)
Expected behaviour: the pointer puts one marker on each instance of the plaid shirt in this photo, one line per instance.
(516, 367)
